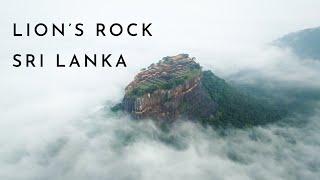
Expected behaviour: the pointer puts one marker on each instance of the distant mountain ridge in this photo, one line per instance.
(304, 43)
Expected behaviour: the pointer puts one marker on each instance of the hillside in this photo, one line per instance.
(304, 43)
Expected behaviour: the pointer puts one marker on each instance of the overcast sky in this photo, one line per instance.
(205, 29)
(197, 27)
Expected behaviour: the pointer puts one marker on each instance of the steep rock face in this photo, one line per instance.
(168, 90)
(161, 104)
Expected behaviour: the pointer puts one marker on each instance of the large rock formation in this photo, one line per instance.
(167, 89)
(177, 87)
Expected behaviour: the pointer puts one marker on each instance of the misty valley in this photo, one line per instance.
(84, 60)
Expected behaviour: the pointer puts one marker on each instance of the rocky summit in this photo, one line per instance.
(176, 87)
(164, 90)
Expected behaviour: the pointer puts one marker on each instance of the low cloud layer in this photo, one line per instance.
(102, 146)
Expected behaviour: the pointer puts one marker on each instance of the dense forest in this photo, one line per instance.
(236, 108)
